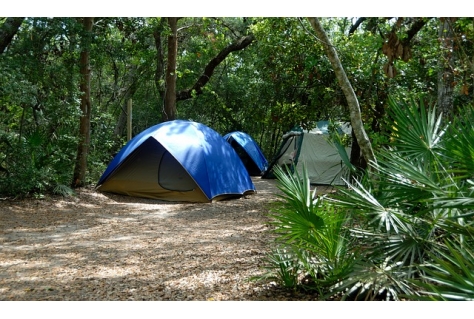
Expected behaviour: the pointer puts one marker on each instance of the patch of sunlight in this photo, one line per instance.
(110, 272)
(120, 238)
(13, 262)
(207, 278)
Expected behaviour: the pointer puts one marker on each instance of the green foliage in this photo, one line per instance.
(39, 99)
(449, 274)
(34, 163)
(63, 190)
(460, 152)
(405, 234)
(281, 80)
(382, 280)
(313, 248)
(283, 267)
(403, 217)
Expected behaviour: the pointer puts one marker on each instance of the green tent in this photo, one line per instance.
(322, 159)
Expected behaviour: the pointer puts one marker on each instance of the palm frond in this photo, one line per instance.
(450, 275)
(360, 199)
(281, 266)
(418, 131)
(460, 145)
(369, 281)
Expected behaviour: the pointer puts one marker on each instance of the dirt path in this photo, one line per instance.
(98, 246)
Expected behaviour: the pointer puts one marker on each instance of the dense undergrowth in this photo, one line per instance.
(404, 234)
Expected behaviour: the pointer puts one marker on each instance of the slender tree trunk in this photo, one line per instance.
(169, 111)
(353, 103)
(132, 82)
(160, 65)
(446, 71)
(8, 30)
(84, 127)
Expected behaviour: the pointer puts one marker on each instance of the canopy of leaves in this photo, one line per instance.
(280, 80)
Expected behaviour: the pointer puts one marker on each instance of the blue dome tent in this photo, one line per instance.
(177, 161)
(248, 151)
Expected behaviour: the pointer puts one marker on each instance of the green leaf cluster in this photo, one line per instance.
(408, 233)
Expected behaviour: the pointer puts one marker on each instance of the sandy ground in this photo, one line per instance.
(97, 246)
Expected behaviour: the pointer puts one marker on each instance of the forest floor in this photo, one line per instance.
(99, 246)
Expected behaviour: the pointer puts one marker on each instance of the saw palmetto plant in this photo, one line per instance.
(377, 237)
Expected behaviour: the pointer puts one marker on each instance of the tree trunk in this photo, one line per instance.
(160, 66)
(445, 73)
(353, 103)
(132, 82)
(171, 96)
(84, 127)
(8, 30)
(169, 111)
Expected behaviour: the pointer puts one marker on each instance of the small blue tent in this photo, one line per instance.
(248, 151)
(177, 161)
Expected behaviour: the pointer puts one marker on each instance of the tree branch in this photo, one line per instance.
(415, 27)
(356, 25)
(8, 30)
(240, 44)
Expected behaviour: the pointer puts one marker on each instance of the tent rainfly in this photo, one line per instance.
(323, 162)
(177, 161)
(248, 151)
